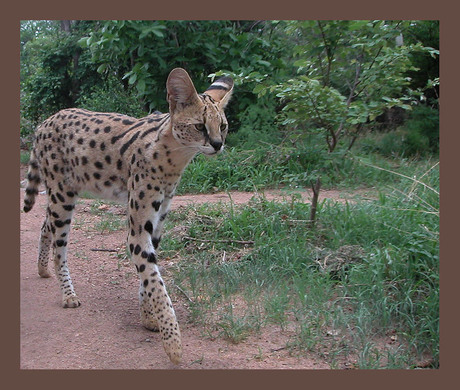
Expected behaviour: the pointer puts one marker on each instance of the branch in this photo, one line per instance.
(328, 53)
(247, 29)
(356, 82)
(369, 68)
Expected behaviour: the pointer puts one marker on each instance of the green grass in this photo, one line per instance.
(24, 157)
(386, 282)
(275, 166)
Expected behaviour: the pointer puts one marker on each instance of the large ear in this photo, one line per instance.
(181, 90)
(221, 90)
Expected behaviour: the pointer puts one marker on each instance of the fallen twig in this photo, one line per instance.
(277, 349)
(220, 241)
(184, 293)
(104, 250)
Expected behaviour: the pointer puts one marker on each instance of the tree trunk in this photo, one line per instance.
(314, 202)
(66, 26)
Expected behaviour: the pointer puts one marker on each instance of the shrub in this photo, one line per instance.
(422, 131)
(256, 125)
(418, 137)
(27, 128)
(112, 97)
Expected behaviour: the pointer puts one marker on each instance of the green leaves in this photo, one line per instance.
(357, 24)
(348, 73)
(202, 47)
(153, 29)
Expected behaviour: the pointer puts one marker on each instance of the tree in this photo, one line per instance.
(55, 70)
(426, 78)
(348, 72)
(142, 53)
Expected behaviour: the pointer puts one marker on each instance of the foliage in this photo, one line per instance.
(112, 97)
(418, 137)
(427, 78)
(27, 128)
(144, 52)
(256, 124)
(55, 71)
(31, 31)
(292, 78)
(423, 129)
(348, 73)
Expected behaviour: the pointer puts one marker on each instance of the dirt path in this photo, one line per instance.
(105, 332)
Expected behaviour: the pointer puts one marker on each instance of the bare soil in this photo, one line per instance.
(105, 332)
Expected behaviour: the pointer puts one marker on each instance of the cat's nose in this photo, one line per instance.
(217, 145)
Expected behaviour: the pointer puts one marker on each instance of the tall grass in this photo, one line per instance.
(274, 166)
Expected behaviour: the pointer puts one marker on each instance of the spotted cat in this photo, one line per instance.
(139, 161)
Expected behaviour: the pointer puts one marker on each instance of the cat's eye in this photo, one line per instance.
(200, 126)
(223, 126)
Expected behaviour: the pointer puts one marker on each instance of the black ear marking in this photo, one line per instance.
(221, 90)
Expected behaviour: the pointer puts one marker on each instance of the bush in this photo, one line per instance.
(256, 125)
(389, 144)
(422, 131)
(27, 128)
(112, 97)
(418, 137)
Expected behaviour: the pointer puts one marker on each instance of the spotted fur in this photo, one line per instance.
(139, 161)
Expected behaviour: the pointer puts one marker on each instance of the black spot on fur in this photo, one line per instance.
(156, 242)
(148, 227)
(60, 223)
(61, 243)
(152, 258)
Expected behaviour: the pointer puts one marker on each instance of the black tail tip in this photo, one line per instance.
(27, 209)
